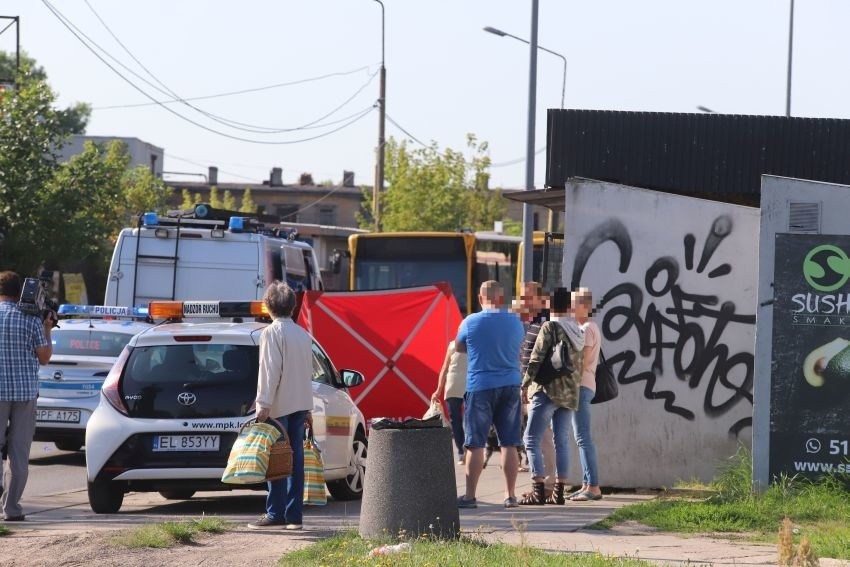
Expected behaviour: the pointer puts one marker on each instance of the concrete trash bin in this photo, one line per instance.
(410, 484)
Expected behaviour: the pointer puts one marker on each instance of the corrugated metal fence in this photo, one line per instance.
(718, 156)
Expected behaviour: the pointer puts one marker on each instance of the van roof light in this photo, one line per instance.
(236, 224)
(102, 311)
(150, 219)
(206, 309)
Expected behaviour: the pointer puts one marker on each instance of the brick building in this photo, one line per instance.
(303, 202)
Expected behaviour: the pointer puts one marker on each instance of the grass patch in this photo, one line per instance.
(347, 548)
(4, 530)
(817, 510)
(168, 534)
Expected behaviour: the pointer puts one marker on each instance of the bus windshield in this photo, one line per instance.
(383, 262)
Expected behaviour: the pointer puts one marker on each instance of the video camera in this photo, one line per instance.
(34, 299)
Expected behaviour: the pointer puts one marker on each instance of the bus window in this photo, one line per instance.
(392, 261)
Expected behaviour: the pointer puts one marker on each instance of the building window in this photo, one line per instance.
(287, 213)
(327, 215)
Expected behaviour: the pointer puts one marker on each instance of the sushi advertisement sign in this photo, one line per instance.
(810, 363)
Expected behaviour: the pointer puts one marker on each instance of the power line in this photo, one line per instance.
(409, 135)
(69, 26)
(239, 92)
(517, 160)
(236, 125)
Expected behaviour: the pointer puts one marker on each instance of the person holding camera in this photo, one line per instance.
(24, 344)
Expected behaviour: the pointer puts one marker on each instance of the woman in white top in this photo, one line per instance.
(285, 392)
(582, 301)
(452, 386)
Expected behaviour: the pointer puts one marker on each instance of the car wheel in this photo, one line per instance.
(105, 497)
(67, 445)
(177, 494)
(351, 487)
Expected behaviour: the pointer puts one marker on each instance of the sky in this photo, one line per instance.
(446, 77)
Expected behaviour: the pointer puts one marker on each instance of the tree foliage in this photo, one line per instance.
(433, 190)
(62, 216)
(72, 120)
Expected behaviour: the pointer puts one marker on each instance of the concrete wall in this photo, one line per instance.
(674, 279)
(832, 204)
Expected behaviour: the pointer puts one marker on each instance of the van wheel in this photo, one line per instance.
(67, 445)
(105, 497)
(351, 487)
(177, 494)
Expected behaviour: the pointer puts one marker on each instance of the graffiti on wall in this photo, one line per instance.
(665, 317)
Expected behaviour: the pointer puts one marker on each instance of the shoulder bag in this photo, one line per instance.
(606, 382)
(556, 363)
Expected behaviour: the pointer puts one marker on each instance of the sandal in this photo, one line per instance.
(586, 496)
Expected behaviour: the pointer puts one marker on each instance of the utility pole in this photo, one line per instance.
(790, 53)
(15, 21)
(527, 213)
(382, 122)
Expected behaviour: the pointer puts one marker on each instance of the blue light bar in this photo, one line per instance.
(237, 224)
(103, 311)
(150, 219)
(201, 211)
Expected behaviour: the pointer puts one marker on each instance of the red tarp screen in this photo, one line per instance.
(396, 338)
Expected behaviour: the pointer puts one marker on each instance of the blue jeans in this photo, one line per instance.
(499, 407)
(586, 448)
(541, 412)
(456, 417)
(286, 496)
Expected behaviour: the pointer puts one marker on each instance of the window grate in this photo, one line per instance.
(804, 218)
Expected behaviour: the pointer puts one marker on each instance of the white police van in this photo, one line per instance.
(86, 344)
(173, 403)
(206, 253)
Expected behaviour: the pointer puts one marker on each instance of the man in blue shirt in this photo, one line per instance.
(24, 344)
(492, 340)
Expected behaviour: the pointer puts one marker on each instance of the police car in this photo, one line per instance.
(171, 407)
(84, 350)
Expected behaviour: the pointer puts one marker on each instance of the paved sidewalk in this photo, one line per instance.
(66, 514)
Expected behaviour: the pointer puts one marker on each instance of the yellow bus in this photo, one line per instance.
(392, 260)
(548, 249)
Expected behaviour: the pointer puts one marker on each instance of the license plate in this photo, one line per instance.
(186, 442)
(58, 415)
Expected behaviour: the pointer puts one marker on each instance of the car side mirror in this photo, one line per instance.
(351, 378)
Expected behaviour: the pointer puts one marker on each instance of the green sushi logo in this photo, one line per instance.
(826, 267)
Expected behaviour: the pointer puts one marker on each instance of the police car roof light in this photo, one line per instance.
(150, 219)
(236, 224)
(206, 309)
(102, 311)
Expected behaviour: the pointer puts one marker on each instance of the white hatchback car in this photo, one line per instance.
(84, 350)
(171, 408)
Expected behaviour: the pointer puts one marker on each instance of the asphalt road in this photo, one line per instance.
(53, 471)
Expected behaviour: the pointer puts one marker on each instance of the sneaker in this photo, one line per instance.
(460, 460)
(464, 503)
(511, 502)
(265, 522)
(293, 527)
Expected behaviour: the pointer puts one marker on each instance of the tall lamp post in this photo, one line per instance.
(527, 214)
(790, 53)
(500, 33)
(382, 122)
(15, 21)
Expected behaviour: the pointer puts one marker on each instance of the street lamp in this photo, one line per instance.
(501, 33)
(790, 52)
(705, 109)
(382, 122)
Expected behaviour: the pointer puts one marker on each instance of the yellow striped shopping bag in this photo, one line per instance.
(249, 457)
(314, 474)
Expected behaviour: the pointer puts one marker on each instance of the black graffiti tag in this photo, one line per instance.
(679, 328)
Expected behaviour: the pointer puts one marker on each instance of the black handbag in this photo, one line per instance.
(556, 363)
(606, 383)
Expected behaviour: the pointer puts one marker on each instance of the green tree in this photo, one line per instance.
(72, 120)
(248, 204)
(228, 201)
(433, 190)
(30, 135)
(190, 199)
